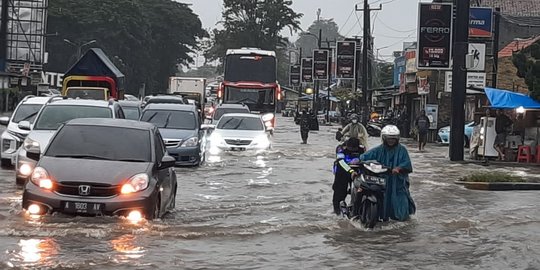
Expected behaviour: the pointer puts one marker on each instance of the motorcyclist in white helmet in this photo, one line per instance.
(355, 130)
(398, 204)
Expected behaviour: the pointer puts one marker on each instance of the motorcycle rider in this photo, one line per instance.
(356, 130)
(398, 203)
(343, 173)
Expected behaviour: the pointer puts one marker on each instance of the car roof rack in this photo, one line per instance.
(55, 98)
(28, 97)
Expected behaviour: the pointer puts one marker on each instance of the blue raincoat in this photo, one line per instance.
(398, 203)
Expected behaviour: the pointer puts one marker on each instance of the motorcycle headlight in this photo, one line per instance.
(30, 145)
(136, 183)
(191, 142)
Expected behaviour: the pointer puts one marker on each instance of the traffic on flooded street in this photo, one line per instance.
(273, 210)
(269, 134)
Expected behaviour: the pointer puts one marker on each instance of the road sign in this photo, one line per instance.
(478, 51)
(434, 36)
(307, 70)
(294, 75)
(320, 64)
(346, 60)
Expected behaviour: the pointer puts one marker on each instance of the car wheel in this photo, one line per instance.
(5, 163)
(155, 211)
(173, 201)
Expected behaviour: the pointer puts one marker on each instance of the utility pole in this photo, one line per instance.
(496, 47)
(459, 80)
(365, 58)
(317, 83)
(3, 35)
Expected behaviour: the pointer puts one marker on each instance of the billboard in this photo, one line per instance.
(307, 70)
(346, 59)
(294, 75)
(320, 64)
(478, 51)
(399, 67)
(480, 22)
(434, 36)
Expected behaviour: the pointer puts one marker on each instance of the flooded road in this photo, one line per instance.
(273, 211)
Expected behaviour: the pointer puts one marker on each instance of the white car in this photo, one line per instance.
(13, 136)
(239, 131)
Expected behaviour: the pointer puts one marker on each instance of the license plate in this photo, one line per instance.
(375, 180)
(238, 148)
(83, 207)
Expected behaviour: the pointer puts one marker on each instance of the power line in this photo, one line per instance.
(385, 47)
(348, 18)
(357, 23)
(393, 29)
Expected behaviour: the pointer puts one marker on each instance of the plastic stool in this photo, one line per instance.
(525, 154)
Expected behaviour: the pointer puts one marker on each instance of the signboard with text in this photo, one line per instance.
(434, 36)
(307, 70)
(480, 22)
(320, 64)
(474, 79)
(346, 59)
(478, 51)
(294, 75)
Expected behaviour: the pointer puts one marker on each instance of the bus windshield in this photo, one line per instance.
(251, 68)
(264, 96)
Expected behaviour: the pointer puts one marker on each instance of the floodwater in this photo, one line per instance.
(273, 211)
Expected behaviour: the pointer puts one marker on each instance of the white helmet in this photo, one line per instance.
(390, 132)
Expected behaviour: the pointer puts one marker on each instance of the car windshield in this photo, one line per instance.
(221, 111)
(86, 94)
(87, 142)
(240, 123)
(53, 116)
(132, 113)
(170, 119)
(26, 112)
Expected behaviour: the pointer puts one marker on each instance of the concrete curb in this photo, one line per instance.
(499, 186)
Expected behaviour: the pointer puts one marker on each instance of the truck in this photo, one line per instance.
(251, 79)
(94, 76)
(193, 89)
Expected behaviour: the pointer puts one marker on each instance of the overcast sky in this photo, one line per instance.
(393, 25)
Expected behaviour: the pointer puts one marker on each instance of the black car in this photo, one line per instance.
(84, 171)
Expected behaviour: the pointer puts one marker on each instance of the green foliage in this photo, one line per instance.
(205, 71)
(253, 23)
(527, 62)
(491, 177)
(145, 39)
(330, 32)
(384, 75)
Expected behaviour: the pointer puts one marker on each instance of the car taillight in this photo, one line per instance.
(278, 93)
(220, 90)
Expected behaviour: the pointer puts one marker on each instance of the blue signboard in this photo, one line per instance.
(399, 67)
(480, 22)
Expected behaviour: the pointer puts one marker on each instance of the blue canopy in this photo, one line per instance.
(502, 99)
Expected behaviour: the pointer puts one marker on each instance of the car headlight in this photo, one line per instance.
(30, 145)
(136, 183)
(41, 178)
(191, 142)
(261, 141)
(268, 117)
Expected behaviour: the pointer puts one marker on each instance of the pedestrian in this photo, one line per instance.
(502, 124)
(422, 125)
(304, 126)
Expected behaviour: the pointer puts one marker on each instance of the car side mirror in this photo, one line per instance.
(167, 162)
(33, 153)
(4, 120)
(25, 125)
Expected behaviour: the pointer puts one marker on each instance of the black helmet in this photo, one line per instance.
(353, 143)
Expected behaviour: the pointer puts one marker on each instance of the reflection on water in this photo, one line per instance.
(127, 249)
(35, 251)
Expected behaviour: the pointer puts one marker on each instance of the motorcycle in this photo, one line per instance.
(373, 129)
(367, 193)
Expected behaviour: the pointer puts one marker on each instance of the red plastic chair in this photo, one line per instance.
(525, 154)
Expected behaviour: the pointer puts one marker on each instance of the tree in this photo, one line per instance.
(144, 39)
(384, 75)
(253, 23)
(330, 32)
(527, 62)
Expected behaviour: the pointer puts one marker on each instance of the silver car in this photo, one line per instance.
(13, 136)
(53, 114)
(238, 132)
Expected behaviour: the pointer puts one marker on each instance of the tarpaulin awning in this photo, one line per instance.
(503, 99)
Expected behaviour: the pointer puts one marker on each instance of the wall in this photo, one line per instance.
(507, 77)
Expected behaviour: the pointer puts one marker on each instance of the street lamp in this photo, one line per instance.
(79, 46)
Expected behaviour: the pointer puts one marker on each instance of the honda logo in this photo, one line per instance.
(84, 190)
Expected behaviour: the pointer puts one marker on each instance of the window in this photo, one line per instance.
(132, 113)
(26, 112)
(120, 113)
(160, 147)
(240, 123)
(53, 116)
(121, 144)
(221, 111)
(170, 119)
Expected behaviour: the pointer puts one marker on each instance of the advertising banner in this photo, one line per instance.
(345, 59)
(423, 86)
(474, 79)
(434, 36)
(480, 22)
(478, 51)
(432, 112)
(294, 75)
(399, 67)
(307, 70)
(320, 64)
